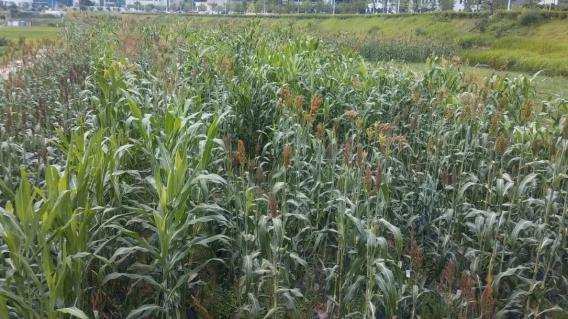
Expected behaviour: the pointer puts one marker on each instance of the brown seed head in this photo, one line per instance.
(241, 153)
(538, 144)
(283, 96)
(487, 301)
(466, 286)
(347, 151)
(526, 111)
(351, 115)
(368, 179)
(361, 156)
(355, 82)
(315, 104)
(398, 140)
(495, 122)
(378, 176)
(298, 102)
(501, 144)
(416, 258)
(384, 128)
(447, 277)
(416, 96)
(447, 178)
(320, 130)
(286, 155)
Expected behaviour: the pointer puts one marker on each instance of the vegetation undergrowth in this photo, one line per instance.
(164, 168)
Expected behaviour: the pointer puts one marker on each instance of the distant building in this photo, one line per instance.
(459, 5)
(393, 6)
(462, 5)
(18, 23)
(383, 6)
(43, 4)
(54, 13)
(145, 3)
(19, 3)
(549, 2)
(216, 5)
(211, 6)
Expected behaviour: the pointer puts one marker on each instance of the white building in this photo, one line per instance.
(212, 6)
(55, 13)
(18, 3)
(392, 6)
(459, 5)
(146, 3)
(548, 2)
(17, 23)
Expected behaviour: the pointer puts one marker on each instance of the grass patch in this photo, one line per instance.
(518, 60)
(409, 51)
(545, 86)
(12, 39)
(31, 33)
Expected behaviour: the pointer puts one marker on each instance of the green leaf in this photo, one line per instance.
(278, 187)
(126, 251)
(525, 182)
(116, 275)
(6, 190)
(3, 307)
(298, 259)
(395, 232)
(74, 311)
(212, 178)
(206, 152)
(143, 311)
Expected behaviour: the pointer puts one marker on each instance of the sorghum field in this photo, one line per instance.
(162, 167)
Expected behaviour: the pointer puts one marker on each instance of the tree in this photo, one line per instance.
(446, 5)
(13, 10)
(83, 4)
(405, 6)
(250, 7)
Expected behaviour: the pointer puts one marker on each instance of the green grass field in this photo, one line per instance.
(35, 33)
(31, 33)
(502, 42)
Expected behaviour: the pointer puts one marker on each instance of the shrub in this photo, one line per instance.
(529, 18)
(4, 41)
(420, 31)
(373, 30)
(482, 24)
(409, 51)
(471, 41)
